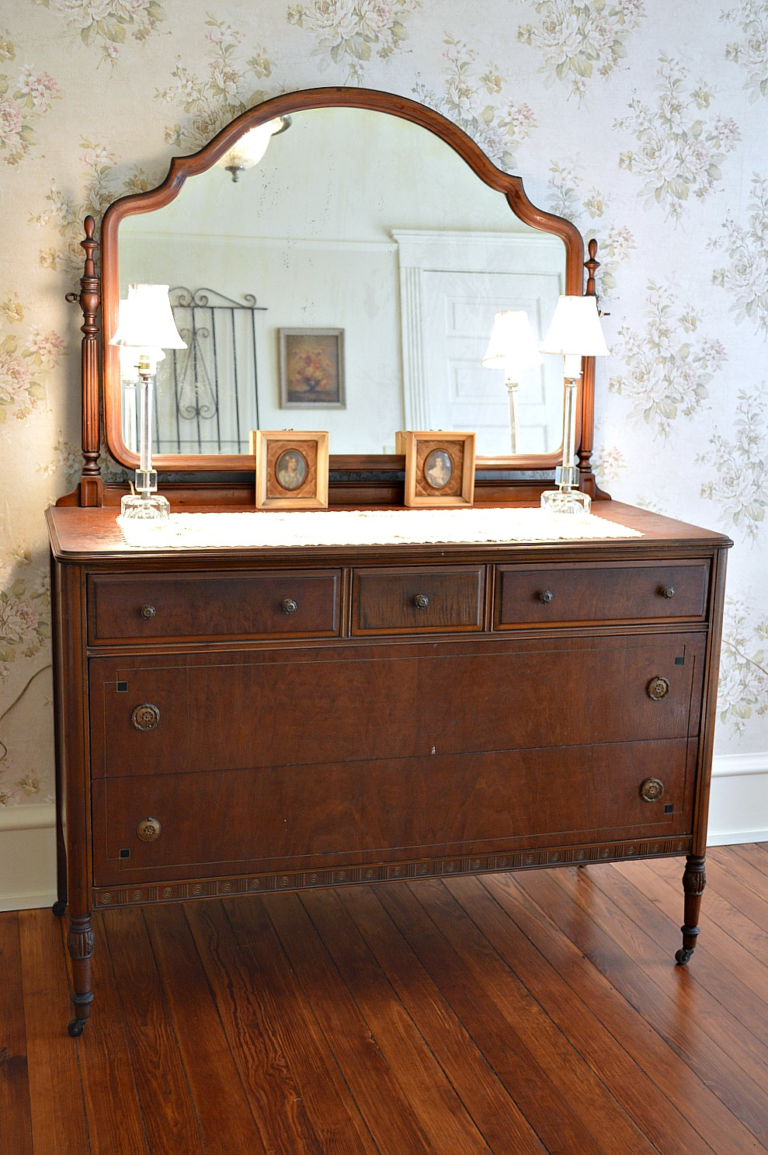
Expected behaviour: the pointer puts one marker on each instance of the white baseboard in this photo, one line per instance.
(27, 856)
(738, 812)
(738, 804)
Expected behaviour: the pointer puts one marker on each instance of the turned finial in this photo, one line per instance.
(591, 265)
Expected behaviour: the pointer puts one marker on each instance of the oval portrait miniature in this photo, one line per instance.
(438, 468)
(291, 469)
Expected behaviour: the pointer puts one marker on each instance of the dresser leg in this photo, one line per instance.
(80, 944)
(694, 881)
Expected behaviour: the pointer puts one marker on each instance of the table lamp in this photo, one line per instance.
(146, 327)
(512, 347)
(575, 332)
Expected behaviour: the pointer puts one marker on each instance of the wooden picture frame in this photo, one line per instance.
(439, 467)
(291, 469)
(312, 369)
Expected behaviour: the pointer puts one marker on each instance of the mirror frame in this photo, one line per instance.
(183, 167)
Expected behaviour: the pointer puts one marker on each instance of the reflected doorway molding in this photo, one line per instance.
(479, 254)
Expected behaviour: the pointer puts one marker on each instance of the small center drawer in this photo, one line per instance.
(157, 606)
(418, 600)
(533, 595)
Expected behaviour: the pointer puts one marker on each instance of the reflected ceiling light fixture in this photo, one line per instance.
(146, 327)
(575, 332)
(512, 348)
(251, 147)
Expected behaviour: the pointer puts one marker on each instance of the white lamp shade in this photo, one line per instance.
(250, 148)
(145, 320)
(575, 329)
(512, 346)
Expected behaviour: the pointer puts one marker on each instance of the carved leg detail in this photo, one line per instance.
(80, 942)
(694, 881)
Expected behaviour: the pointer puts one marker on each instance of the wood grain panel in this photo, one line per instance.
(391, 601)
(599, 593)
(212, 605)
(329, 705)
(291, 816)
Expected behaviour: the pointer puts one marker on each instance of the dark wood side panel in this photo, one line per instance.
(267, 708)
(294, 817)
(154, 607)
(538, 595)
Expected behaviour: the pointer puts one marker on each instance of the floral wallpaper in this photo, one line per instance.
(647, 128)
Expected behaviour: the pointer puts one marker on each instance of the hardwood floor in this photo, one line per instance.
(515, 1014)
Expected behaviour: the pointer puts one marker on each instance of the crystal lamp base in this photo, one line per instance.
(145, 507)
(569, 501)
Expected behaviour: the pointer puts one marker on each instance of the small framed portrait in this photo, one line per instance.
(312, 369)
(291, 469)
(439, 467)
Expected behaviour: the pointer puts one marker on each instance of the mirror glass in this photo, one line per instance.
(348, 282)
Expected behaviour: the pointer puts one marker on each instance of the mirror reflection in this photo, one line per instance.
(347, 281)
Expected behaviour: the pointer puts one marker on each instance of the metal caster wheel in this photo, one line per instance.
(75, 1028)
(59, 907)
(683, 956)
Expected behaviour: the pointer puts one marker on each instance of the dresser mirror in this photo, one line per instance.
(347, 281)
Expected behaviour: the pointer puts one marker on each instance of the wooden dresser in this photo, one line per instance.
(244, 721)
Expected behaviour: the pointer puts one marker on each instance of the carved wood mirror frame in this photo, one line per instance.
(355, 488)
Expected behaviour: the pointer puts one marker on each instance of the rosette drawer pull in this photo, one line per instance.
(289, 606)
(146, 716)
(667, 591)
(651, 790)
(148, 829)
(545, 597)
(148, 612)
(421, 601)
(658, 688)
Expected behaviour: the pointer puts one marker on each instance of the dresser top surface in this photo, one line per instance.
(92, 535)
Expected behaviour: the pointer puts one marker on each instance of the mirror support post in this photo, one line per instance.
(91, 488)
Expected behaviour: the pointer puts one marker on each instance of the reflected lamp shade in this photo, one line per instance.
(512, 346)
(146, 323)
(575, 332)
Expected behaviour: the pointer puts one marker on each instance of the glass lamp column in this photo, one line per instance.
(574, 333)
(512, 347)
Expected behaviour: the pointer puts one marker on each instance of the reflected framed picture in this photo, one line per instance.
(291, 469)
(439, 467)
(312, 369)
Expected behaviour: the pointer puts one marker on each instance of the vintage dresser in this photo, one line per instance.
(239, 721)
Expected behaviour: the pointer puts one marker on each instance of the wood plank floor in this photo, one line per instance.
(516, 1014)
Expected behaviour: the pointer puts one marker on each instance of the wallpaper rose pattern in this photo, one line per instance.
(646, 128)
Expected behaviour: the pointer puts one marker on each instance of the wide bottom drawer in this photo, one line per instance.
(350, 814)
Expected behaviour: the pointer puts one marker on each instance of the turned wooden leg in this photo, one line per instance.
(694, 881)
(80, 944)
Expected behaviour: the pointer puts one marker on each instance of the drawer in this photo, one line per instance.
(307, 705)
(152, 607)
(418, 600)
(345, 814)
(536, 595)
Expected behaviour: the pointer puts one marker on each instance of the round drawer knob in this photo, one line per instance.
(421, 601)
(546, 596)
(658, 688)
(146, 716)
(148, 612)
(148, 829)
(667, 591)
(289, 606)
(651, 790)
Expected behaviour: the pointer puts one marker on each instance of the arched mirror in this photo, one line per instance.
(347, 280)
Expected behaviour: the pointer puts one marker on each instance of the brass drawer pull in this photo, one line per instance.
(148, 612)
(651, 790)
(146, 716)
(148, 829)
(667, 591)
(658, 688)
(421, 601)
(289, 606)
(546, 596)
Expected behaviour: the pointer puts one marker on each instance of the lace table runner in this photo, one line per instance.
(366, 527)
